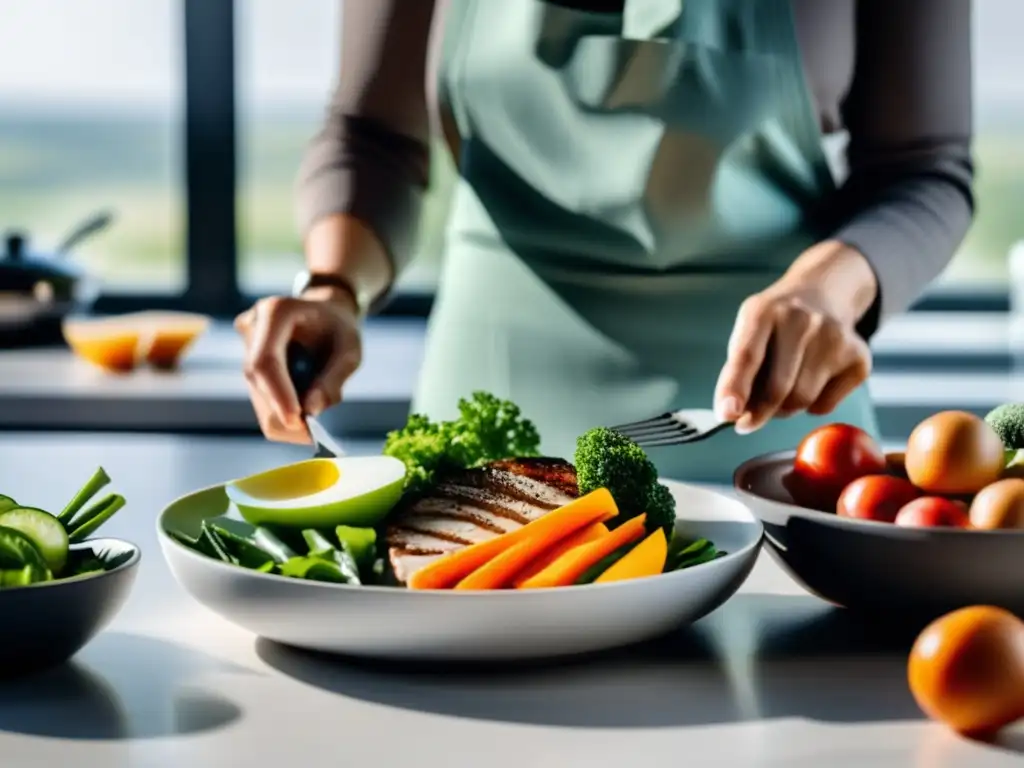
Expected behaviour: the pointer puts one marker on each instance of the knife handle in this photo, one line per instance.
(303, 368)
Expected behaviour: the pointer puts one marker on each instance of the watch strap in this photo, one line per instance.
(305, 281)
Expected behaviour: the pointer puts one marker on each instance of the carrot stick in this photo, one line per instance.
(569, 567)
(645, 559)
(448, 571)
(500, 572)
(586, 535)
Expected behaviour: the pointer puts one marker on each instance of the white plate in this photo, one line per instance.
(391, 622)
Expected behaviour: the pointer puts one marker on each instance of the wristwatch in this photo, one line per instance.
(306, 280)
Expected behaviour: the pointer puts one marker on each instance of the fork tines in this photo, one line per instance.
(675, 428)
(660, 430)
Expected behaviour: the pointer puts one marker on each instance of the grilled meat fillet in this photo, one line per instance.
(473, 505)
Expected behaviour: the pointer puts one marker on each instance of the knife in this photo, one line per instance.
(303, 368)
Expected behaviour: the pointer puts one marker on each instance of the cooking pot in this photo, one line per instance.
(38, 290)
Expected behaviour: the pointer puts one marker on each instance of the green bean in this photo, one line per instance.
(98, 481)
(95, 516)
(213, 541)
(268, 541)
(320, 547)
(245, 551)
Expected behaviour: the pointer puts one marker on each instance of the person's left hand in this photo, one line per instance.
(790, 351)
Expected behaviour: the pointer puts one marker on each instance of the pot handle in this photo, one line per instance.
(95, 223)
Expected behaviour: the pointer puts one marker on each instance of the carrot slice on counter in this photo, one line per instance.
(586, 535)
(569, 567)
(501, 572)
(645, 559)
(448, 571)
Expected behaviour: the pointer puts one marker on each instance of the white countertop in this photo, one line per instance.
(774, 678)
(942, 360)
(393, 353)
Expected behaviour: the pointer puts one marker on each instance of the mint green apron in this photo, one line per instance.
(626, 181)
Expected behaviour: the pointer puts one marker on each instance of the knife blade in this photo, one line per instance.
(303, 368)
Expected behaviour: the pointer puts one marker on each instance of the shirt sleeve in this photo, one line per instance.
(908, 202)
(371, 158)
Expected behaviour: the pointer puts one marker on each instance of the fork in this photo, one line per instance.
(674, 428)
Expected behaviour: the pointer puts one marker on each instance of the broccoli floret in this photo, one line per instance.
(606, 459)
(1008, 422)
(661, 509)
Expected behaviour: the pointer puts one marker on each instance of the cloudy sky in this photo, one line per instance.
(59, 52)
(120, 52)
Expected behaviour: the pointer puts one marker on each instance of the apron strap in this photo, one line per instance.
(453, 45)
(802, 137)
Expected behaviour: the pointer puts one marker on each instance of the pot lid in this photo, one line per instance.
(18, 263)
(17, 258)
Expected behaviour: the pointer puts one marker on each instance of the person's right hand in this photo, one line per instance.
(327, 322)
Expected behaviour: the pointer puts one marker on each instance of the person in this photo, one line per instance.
(650, 213)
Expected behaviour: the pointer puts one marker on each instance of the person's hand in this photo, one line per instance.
(325, 321)
(790, 351)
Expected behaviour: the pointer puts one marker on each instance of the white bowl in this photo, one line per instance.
(392, 622)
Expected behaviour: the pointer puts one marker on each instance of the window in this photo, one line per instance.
(102, 125)
(287, 64)
(95, 127)
(999, 146)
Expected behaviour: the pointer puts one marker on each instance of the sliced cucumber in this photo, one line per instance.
(17, 551)
(22, 577)
(44, 530)
(6, 502)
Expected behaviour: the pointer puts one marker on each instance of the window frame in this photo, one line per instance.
(210, 144)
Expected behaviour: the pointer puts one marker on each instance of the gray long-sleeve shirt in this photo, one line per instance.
(895, 74)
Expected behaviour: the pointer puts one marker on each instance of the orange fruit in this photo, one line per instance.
(110, 345)
(123, 342)
(966, 669)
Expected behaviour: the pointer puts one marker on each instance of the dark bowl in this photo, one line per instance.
(46, 624)
(880, 567)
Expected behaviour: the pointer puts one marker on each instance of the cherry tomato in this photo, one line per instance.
(830, 458)
(934, 512)
(876, 497)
